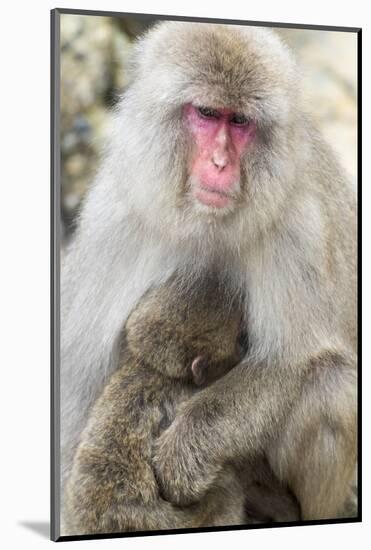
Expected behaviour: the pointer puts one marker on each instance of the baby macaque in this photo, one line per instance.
(176, 341)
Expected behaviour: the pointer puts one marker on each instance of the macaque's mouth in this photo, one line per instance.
(216, 199)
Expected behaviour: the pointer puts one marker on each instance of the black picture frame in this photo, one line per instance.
(55, 243)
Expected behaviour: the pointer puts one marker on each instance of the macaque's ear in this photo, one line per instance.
(199, 369)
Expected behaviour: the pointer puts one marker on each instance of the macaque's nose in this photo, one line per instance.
(220, 155)
(220, 158)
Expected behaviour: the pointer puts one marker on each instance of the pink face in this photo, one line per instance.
(220, 136)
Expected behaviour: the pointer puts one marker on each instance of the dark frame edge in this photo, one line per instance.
(169, 17)
(233, 528)
(54, 274)
(359, 266)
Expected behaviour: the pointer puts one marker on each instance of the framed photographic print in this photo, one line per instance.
(204, 280)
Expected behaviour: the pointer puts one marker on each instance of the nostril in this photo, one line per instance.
(219, 162)
(220, 168)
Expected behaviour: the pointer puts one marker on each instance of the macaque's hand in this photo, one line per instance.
(187, 457)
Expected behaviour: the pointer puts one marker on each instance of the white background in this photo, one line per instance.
(24, 299)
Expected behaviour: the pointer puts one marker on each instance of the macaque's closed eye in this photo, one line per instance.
(208, 112)
(239, 119)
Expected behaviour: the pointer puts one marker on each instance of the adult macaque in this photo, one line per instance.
(213, 164)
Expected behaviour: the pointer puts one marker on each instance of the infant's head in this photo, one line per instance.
(190, 335)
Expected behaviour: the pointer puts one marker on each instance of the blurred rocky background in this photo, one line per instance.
(94, 53)
(328, 63)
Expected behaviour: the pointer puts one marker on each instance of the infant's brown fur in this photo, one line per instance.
(174, 341)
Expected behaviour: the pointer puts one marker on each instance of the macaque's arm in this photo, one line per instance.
(226, 420)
